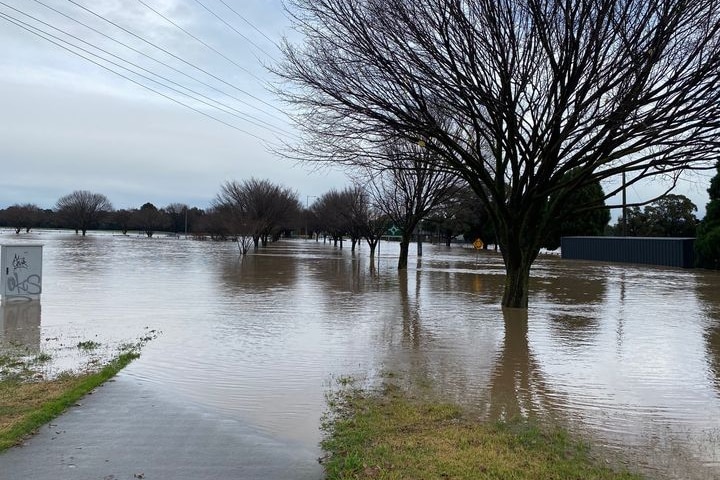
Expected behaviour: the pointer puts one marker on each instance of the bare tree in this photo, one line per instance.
(376, 225)
(21, 217)
(178, 217)
(332, 211)
(512, 95)
(257, 208)
(409, 190)
(82, 209)
(343, 212)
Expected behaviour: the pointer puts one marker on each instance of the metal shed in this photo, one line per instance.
(671, 252)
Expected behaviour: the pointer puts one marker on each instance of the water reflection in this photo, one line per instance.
(260, 273)
(20, 323)
(708, 289)
(517, 388)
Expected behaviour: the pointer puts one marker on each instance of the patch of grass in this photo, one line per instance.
(88, 345)
(388, 435)
(25, 406)
(42, 357)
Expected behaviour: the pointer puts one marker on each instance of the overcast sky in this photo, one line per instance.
(68, 124)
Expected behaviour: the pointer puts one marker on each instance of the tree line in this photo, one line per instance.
(408, 201)
(404, 203)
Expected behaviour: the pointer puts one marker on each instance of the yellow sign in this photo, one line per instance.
(478, 244)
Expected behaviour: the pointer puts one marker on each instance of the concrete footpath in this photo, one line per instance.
(124, 430)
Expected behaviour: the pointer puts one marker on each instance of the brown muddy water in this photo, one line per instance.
(626, 356)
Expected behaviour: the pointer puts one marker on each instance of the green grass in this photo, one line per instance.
(88, 345)
(388, 435)
(27, 405)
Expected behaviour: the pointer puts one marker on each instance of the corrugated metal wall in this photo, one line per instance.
(671, 252)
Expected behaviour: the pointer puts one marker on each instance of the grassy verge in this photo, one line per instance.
(388, 435)
(29, 399)
(25, 406)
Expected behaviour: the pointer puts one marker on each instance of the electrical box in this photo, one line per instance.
(21, 270)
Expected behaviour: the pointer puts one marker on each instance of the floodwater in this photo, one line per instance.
(625, 356)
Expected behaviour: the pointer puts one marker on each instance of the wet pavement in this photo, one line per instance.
(126, 430)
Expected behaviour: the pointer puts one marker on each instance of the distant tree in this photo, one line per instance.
(707, 244)
(635, 222)
(357, 214)
(669, 216)
(409, 190)
(332, 210)
(195, 219)
(177, 215)
(21, 217)
(122, 220)
(310, 221)
(463, 214)
(257, 208)
(577, 212)
(672, 216)
(82, 210)
(377, 224)
(149, 219)
(217, 222)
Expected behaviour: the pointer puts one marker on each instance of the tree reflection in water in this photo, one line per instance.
(517, 388)
(708, 288)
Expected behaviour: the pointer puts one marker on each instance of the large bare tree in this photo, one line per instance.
(512, 95)
(82, 209)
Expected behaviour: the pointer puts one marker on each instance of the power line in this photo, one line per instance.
(202, 42)
(249, 23)
(19, 24)
(167, 65)
(223, 107)
(233, 28)
(177, 57)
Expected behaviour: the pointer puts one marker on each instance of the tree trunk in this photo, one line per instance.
(372, 244)
(517, 282)
(519, 251)
(404, 249)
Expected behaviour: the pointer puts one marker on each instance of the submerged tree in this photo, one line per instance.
(333, 212)
(512, 95)
(21, 217)
(257, 208)
(83, 210)
(148, 219)
(409, 189)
